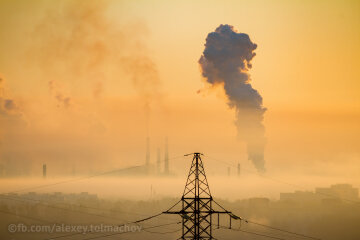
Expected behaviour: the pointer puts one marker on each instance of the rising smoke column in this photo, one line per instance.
(90, 49)
(225, 61)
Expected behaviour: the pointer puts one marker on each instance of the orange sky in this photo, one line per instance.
(96, 52)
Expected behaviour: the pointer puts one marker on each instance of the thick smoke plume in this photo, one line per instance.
(225, 61)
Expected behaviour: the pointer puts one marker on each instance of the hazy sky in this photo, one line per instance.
(85, 77)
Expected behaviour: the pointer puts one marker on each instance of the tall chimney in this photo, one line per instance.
(147, 162)
(158, 161)
(166, 157)
(238, 169)
(228, 171)
(44, 170)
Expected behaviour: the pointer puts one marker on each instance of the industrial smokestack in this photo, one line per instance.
(228, 171)
(225, 62)
(44, 170)
(158, 161)
(238, 169)
(166, 157)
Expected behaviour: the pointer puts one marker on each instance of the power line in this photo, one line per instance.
(71, 210)
(163, 232)
(71, 205)
(59, 208)
(204, 188)
(148, 218)
(83, 178)
(91, 214)
(113, 234)
(267, 226)
(254, 233)
(280, 181)
(68, 181)
(71, 180)
(273, 232)
(22, 216)
(197, 206)
(282, 230)
(133, 222)
(196, 210)
(69, 235)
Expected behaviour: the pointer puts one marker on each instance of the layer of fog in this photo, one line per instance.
(145, 188)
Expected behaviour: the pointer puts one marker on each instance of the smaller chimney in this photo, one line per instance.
(44, 170)
(228, 171)
(238, 169)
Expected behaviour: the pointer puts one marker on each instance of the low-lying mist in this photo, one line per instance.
(144, 188)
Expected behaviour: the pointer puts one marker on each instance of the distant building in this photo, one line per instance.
(338, 192)
(341, 191)
(300, 196)
(331, 201)
(259, 202)
(85, 196)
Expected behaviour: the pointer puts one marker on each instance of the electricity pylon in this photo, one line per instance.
(197, 209)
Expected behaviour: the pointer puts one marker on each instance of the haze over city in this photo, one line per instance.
(101, 101)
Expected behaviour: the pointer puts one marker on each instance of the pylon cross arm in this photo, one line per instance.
(197, 210)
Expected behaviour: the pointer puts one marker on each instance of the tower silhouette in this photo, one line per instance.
(197, 203)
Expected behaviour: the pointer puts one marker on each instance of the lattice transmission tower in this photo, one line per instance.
(197, 204)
